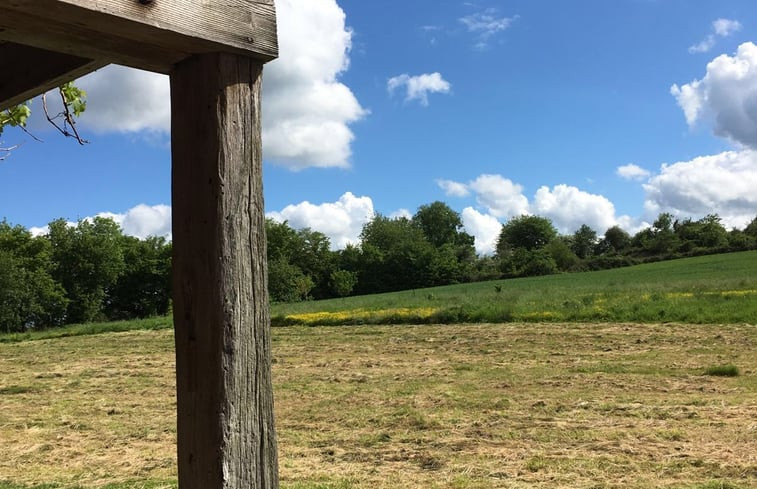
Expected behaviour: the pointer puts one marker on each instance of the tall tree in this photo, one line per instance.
(439, 223)
(88, 260)
(144, 287)
(583, 242)
(395, 255)
(616, 239)
(29, 297)
(527, 232)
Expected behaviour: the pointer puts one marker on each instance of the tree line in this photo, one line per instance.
(431, 248)
(92, 271)
(78, 274)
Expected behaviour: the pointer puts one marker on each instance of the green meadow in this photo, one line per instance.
(707, 289)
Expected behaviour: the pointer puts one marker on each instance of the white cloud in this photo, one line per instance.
(500, 196)
(342, 221)
(569, 207)
(143, 221)
(420, 86)
(566, 206)
(125, 100)
(703, 46)
(39, 231)
(726, 27)
(486, 24)
(721, 28)
(452, 188)
(727, 95)
(485, 229)
(722, 184)
(632, 172)
(401, 213)
(307, 111)
(140, 221)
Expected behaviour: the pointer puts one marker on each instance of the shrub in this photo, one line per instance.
(722, 370)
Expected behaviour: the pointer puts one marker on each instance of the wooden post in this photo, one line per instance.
(226, 436)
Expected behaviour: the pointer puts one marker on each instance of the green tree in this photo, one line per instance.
(455, 253)
(88, 259)
(343, 282)
(307, 250)
(395, 255)
(439, 223)
(616, 240)
(286, 282)
(144, 287)
(29, 296)
(562, 254)
(706, 233)
(664, 239)
(584, 241)
(526, 232)
(316, 260)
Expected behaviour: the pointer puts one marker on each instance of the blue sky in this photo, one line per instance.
(589, 112)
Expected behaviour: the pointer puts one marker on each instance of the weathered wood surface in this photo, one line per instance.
(226, 436)
(153, 37)
(30, 71)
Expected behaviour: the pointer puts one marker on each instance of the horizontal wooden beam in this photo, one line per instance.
(154, 36)
(29, 71)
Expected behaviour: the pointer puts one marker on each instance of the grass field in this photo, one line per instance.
(431, 406)
(638, 397)
(707, 289)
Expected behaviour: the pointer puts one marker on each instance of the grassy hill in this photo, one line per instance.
(707, 289)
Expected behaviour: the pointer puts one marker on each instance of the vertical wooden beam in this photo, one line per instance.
(226, 436)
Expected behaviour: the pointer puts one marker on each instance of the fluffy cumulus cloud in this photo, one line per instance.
(720, 28)
(342, 221)
(121, 99)
(727, 96)
(307, 111)
(499, 195)
(722, 184)
(484, 228)
(140, 221)
(452, 188)
(501, 199)
(569, 207)
(632, 172)
(418, 87)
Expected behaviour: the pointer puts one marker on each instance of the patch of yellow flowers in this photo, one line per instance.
(729, 293)
(360, 315)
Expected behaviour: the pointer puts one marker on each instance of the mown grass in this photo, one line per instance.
(154, 323)
(484, 406)
(706, 289)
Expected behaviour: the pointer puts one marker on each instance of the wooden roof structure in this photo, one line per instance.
(214, 51)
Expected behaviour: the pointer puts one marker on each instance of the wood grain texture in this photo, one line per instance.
(35, 71)
(153, 37)
(226, 436)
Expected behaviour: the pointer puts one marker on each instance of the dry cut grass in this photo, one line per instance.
(456, 406)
